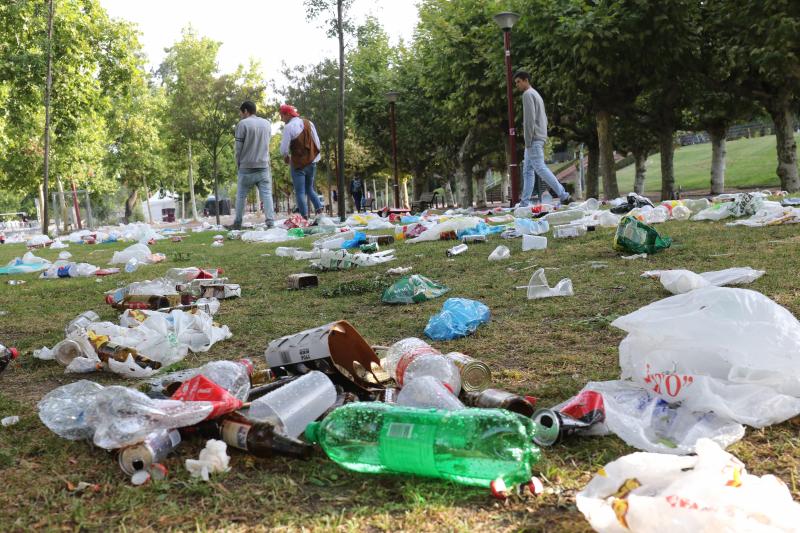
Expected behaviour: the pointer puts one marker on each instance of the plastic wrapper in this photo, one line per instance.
(342, 260)
(682, 281)
(632, 201)
(26, 263)
(122, 417)
(538, 287)
(636, 237)
(456, 224)
(269, 235)
(213, 458)
(712, 491)
(528, 226)
(138, 251)
(716, 349)
(413, 289)
(63, 410)
(459, 317)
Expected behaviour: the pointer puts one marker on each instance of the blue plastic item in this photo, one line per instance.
(459, 317)
(409, 219)
(527, 226)
(481, 228)
(358, 239)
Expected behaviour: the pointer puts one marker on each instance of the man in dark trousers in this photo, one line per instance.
(252, 160)
(300, 150)
(357, 190)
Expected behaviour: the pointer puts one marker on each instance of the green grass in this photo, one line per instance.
(548, 348)
(750, 163)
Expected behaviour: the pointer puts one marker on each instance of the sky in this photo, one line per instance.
(271, 31)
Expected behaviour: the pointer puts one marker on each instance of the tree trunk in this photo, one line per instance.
(480, 186)
(216, 185)
(464, 172)
(781, 113)
(640, 161)
(191, 185)
(666, 142)
(606, 140)
(420, 183)
(340, 109)
(593, 170)
(130, 204)
(718, 153)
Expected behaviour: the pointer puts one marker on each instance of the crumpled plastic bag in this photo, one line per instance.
(270, 235)
(681, 281)
(342, 260)
(647, 422)
(459, 317)
(25, 264)
(632, 201)
(637, 237)
(213, 458)
(137, 251)
(413, 289)
(538, 287)
(455, 224)
(712, 491)
(63, 410)
(716, 349)
(529, 226)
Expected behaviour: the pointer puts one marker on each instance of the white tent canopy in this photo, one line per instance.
(158, 202)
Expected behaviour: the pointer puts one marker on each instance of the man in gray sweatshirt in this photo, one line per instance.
(534, 120)
(252, 161)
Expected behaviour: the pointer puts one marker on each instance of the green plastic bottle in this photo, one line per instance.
(470, 446)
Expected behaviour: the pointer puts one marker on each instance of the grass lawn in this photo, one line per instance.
(750, 163)
(547, 348)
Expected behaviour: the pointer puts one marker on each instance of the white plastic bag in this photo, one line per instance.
(717, 349)
(709, 492)
(537, 287)
(138, 251)
(682, 281)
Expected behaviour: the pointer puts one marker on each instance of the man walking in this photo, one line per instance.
(300, 150)
(357, 190)
(535, 129)
(251, 145)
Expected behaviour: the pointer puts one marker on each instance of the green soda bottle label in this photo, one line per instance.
(407, 446)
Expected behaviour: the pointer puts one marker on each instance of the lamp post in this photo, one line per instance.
(506, 21)
(391, 97)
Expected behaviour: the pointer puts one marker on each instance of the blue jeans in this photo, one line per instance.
(533, 165)
(303, 180)
(261, 178)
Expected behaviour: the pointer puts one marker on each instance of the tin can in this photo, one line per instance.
(473, 238)
(154, 449)
(456, 250)
(16, 282)
(498, 399)
(475, 375)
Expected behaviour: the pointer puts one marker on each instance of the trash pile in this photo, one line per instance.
(325, 386)
(178, 287)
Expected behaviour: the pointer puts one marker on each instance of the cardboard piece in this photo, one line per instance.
(302, 281)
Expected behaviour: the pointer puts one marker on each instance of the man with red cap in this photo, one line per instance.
(300, 150)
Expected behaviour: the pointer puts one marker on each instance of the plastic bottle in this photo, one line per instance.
(412, 357)
(233, 376)
(547, 198)
(292, 407)
(6, 355)
(470, 446)
(565, 216)
(569, 231)
(399, 233)
(131, 265)
(427, 391)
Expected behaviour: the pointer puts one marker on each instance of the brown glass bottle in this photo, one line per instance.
(261, 439)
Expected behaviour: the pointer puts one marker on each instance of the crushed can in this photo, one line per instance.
(552, 426)
(154, 449)
(473, 238)
(456, 250)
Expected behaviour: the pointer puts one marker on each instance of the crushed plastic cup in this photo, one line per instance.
(500, 253)
(569, 231)
(538, 288)
(533, 242)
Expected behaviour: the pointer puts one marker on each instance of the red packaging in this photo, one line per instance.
(202, 389)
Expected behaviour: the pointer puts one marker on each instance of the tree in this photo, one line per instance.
(761, 40)
(339, 24)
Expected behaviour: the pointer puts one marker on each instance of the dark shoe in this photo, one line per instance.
(233, 227)
(568, 200)
(319, 211)
(270, 224)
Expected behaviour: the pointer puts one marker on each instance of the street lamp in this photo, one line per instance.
(506, 21)
(391, 97)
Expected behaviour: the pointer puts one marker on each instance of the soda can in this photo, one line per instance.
(456, 250)
(475, 375)
(154, 449)
(473, 238)
(552, 426)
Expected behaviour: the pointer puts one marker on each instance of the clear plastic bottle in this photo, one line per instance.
(427, 391)
(132, 265)
(547, 198)
(413, 357)
(233, 376)
(293, 406)
(470, 446)
(564, 216)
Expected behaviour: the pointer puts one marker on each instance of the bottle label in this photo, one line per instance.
(235, 434)
(408, 447)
